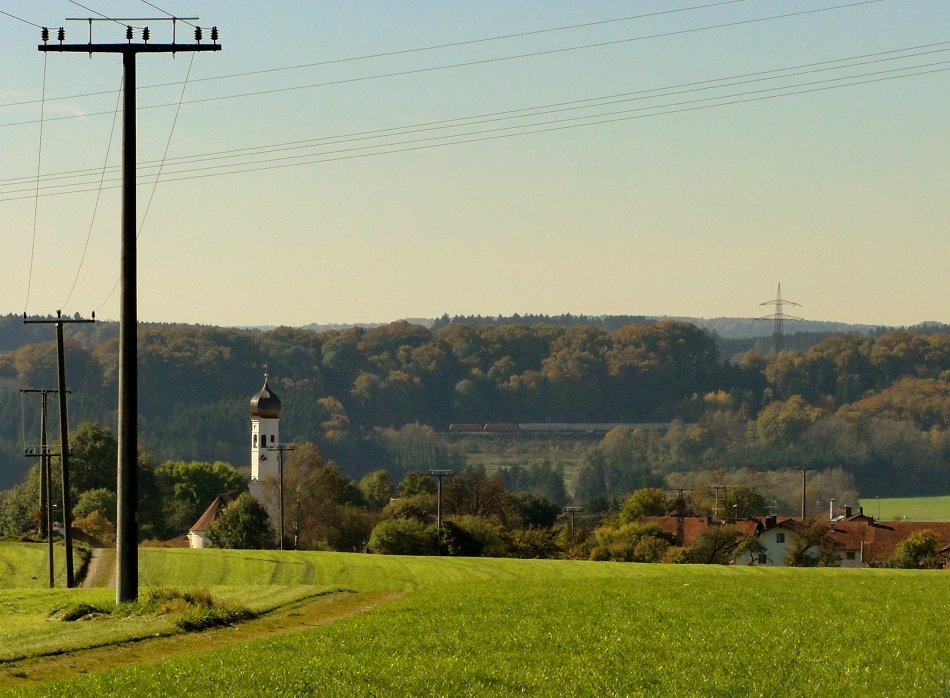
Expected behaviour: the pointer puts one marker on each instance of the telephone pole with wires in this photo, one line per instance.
(59, 321)
(43, 452)
(126, 586)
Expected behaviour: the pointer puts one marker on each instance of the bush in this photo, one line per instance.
(917, 551)
(534, 543)
(473, 536)
(402, 537)
(243, 524)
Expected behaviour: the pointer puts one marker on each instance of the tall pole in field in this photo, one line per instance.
(127, 582)
(45, 523)
(804, 485)
(63, 434)
(48, 487)
(438, 511)
(280, 448)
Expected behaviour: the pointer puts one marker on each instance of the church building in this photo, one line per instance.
(265, 436)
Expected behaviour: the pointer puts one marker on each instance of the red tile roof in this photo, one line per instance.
(687, 528)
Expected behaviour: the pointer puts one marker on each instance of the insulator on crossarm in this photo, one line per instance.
(44, 34)
(198, 35)
(146, 35)
(61, 35)
(214, 35)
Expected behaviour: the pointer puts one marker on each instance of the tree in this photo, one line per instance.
(535, 511)
(243, 524)
(97, 527)
(187, 489)
(101, 500)
(471, 491)
(647, 501)
(402, 537)
(810, 547)
(377, 489)
(473, 536)
(917, 551)
(315, 496)
(715, 546)
(93, 454)
(631, 542)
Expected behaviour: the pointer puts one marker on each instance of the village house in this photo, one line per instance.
(849, 540)
(852, 540)
(198, 533)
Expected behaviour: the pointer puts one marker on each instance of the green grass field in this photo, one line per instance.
(506, 627)
(909, 508)
(27, 565)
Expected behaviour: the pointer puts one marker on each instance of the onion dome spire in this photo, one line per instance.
(265, 404)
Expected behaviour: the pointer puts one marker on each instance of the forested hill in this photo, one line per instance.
(876, 405)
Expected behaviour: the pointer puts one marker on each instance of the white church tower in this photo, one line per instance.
(265, 434)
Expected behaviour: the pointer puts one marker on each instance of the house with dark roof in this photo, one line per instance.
(197, 534)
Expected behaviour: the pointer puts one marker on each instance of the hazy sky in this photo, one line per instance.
(613, 164)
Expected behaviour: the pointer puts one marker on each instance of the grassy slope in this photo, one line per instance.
(910, 508)
(477, 627)
(27, 565)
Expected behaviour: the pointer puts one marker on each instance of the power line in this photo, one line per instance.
(158, 175)
(95, 207)
(400, 52)
(156, 7)
(20, 19)
(526, 112)
(36, 202)
(450, 66)
(96, 12)
(528, 129)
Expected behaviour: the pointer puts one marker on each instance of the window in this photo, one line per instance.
(779, 537)
(272, 438)
(850, 555)
(255, 440)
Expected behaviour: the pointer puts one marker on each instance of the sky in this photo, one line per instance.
(361, 161)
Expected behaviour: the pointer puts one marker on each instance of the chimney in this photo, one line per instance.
(847, 512)
(831, 506)
(861, 511)
(770, 521)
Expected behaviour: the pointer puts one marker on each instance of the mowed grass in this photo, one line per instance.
(909, 508)
(26, 565)
(505, 627)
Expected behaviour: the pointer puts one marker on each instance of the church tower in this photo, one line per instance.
(265, 434)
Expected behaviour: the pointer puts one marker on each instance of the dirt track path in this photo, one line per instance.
(101, 570)
(297, 617)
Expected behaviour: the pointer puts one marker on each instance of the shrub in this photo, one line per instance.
(402, 537)
(917, 551)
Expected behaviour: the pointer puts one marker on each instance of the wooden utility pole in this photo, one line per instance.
(63, 435)
(438, 511)
(280, 448)
(127, 581)
(46, 480)
(804, 471)
(573, 512)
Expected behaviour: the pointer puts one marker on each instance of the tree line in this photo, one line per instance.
(877, 407)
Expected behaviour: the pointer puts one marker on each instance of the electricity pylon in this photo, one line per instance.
(779, 316)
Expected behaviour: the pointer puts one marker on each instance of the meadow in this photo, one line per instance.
(474, 626)
(909, 508)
